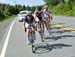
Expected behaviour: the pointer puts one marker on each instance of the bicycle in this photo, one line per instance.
(41, 31)
(32, 36)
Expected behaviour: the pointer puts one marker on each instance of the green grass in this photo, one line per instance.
(8, 17)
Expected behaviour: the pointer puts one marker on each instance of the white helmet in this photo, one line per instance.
(45, 6)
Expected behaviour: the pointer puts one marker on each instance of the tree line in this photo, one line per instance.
(62, 7)
(7, 10)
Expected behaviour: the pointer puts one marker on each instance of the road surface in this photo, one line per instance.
(61, 42)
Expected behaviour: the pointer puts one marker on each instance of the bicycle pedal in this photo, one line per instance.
(42, 40)
(33, 51)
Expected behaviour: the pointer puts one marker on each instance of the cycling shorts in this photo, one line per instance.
(28, 24)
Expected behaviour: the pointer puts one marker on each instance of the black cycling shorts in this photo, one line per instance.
(40, 18)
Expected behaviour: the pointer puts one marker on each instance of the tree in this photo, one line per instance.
(53, 2)
(24, 7)
(28, 8)
(33, 8)
(71, 2)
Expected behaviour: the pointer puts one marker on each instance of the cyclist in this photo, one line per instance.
(27, 22)
(47, 16)
(38, 16)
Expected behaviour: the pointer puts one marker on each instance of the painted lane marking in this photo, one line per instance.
(64, 27)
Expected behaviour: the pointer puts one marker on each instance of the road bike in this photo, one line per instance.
(32, 37)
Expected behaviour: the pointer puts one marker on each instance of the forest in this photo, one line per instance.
(7, 10)
(61, 7)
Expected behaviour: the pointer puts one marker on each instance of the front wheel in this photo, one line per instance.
(32, 41)
(33, 48)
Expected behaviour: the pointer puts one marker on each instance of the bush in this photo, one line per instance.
(66, 7)
(58, 9)
(1, 17)
(63, 9)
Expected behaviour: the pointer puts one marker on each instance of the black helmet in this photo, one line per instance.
(29, 13)
(39, 8)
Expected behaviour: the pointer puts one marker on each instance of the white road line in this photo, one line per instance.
(3, 52)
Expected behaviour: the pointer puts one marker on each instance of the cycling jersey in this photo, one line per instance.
(46, 13)
(29, 21)
(38, 14)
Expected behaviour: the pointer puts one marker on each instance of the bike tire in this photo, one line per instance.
(33, 48)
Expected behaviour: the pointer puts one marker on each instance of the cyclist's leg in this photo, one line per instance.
(49, 25)
(27, 29)
(34, 27)
(37, 23)
(43, 28)
(27, 33)
(49, 22)
(46, 22)
(50, 18)
(33, 30)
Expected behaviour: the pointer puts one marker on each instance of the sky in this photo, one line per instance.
(24, 2)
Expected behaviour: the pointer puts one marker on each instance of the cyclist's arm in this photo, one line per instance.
(34, 17)
(24, 24)
(35, 14)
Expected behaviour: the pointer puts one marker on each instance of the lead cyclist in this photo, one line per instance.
(27, 22)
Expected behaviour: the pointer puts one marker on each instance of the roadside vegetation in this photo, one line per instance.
(7, 11)
(59, 7)
(62, 7)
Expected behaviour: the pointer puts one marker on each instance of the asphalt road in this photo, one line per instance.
(61, 42)
(3, 27)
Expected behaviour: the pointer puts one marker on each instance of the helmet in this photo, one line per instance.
(45, 6)
(39, 8)
(29, 13)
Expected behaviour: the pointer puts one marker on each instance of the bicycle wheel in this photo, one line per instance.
(32, 40)
(33, 48)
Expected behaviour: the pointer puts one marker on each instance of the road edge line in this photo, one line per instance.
(3, 52)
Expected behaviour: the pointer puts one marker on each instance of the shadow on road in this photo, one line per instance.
(59, 31)
(41, 49)
(59, 34)
(58, 37)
